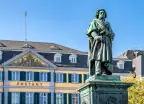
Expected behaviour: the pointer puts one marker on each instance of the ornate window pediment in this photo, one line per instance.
(120, 64)
(57, 58)
(1, 54)
(28, 60)
(73, 58)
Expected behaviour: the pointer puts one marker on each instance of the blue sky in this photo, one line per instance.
(65, 21)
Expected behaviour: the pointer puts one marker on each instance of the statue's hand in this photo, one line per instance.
(105, 32)
(98, 38)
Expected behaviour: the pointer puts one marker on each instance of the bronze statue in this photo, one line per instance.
(100, 37)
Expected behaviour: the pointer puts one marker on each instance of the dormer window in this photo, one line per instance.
(54, 47)
(73, 58)
(28, 46)
(120, 64)
(57, 58)
(1, 55)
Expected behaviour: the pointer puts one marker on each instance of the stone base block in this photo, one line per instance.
(104, 89)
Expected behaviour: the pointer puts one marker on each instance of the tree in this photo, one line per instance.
(135, 92)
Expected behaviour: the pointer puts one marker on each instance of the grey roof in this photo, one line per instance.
(12, 48)
(37, 46)
(131, 54)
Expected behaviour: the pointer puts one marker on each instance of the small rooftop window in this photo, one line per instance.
(1, 54)
(57, 58)
(54, 47)
(120, 64)
(73, 58)
(28, 46)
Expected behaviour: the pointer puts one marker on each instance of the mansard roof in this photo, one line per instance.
(38, 46)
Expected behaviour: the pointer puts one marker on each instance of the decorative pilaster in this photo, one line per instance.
(82, 78)
(52, 85)
(6, 86)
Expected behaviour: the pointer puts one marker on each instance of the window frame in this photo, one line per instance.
(59, 77)
(15, 75)
(43, 77)
(76, 98)
(29, 76)
(43, 97)
(120, 64)
(57, 56)
(57, 97)
(1, 55)
(73, 58)
(30, 96)
(76, 78)
(0, 97)
(1, 75)
(15, 96)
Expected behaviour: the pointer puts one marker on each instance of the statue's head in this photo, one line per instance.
(101, 14)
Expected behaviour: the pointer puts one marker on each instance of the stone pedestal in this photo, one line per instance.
(105, 89)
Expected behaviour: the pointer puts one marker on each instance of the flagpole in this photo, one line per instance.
(25, 26)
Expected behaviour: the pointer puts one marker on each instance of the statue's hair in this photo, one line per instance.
(97, 13)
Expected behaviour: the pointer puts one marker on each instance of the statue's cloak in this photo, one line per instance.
(100, 50)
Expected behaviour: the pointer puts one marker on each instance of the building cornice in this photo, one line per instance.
(72, 68)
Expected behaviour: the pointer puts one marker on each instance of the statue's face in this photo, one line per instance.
(102, 15)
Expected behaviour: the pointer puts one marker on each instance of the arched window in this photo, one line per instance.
(57, 58)
(73, 58)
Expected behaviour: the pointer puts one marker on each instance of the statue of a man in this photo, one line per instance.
(100, 37)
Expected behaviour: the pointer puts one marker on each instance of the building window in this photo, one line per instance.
(1, 75)
(75, 78)
(120, 64)
(0, 97)
(43, 76)
(59, 77)
(73, 58)
(15, 75)
(59, 98)
(1, 54)
(15, 98)
(43, 98)
(57, 58)
(29, 98)
(29, 76)
(75, 98)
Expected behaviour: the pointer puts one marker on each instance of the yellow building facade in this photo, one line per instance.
(29, 78)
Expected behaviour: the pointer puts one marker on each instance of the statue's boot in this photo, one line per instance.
(106, 70)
